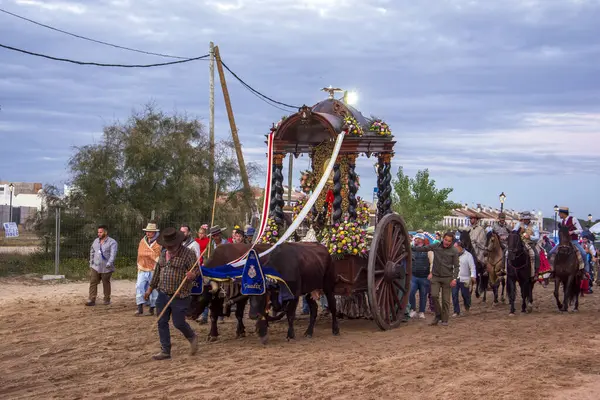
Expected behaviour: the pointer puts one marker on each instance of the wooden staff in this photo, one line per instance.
(212, 219)
(197, 261)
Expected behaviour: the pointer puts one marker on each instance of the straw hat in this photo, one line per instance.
(151, 227)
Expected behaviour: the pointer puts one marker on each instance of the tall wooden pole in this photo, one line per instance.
(234, 134)
(211, 119)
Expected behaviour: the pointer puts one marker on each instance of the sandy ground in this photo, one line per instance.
(51, 347)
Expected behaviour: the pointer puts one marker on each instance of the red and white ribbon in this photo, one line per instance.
(264, 216)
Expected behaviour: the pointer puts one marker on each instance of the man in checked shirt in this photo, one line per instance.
(173, 266)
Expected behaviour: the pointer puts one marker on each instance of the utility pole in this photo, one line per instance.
(234, 134)
(211, 119)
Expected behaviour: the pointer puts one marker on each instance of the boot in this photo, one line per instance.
(151, 310)
(90, 303)
(140, 310)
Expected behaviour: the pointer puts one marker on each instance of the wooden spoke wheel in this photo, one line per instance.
(389, 272)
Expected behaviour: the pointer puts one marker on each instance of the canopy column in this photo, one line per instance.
(352, 187)
(384, 185)
(277, 202)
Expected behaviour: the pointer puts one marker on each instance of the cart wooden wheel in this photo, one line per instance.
(390, 271)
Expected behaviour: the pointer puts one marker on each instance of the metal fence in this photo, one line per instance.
(76, 232)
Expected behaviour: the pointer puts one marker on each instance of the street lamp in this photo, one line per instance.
(502, 199)
(589, 221)
(11, 189)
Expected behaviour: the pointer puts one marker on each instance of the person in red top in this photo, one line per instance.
(203, 238)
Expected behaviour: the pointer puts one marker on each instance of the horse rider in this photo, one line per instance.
(501, 229)
(574, 230)
(530, 234)
(478, 237)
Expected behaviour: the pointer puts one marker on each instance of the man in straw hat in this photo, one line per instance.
(478, 237)
(530, 234)
(148, 254)
(216, 235)
(174, 265)
(574, 230)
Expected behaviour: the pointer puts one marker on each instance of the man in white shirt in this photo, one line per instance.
(467, 276)
(189, 240)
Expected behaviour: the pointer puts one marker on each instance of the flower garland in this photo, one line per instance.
(351, 126)
(278, 124)
(271, 234)
(345, 239)
(299, 206)
(381, 128)
(363, 216)
(308, 181)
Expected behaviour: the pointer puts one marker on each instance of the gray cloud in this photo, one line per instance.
(460, 83)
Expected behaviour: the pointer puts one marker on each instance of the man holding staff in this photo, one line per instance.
(176, 270)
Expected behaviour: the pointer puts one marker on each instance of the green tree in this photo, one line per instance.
(419, 202)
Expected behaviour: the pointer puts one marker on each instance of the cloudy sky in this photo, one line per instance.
(491, 96)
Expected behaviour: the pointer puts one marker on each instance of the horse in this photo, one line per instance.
(494, 262)
(566, 271)
(307, 268)
(519, 270)
(482, 275)
(211, 298)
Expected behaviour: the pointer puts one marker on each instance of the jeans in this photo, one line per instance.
(578, 247)
(422, 285)
(466, 295)
(142, 284)
(177, 310)
(322, 300)
(205, 314)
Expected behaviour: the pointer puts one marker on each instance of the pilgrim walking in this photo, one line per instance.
(174, 264)
(148, 254)
(102, 264)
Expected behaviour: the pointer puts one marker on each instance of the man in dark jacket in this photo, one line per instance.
(443, 275)
(419, 281)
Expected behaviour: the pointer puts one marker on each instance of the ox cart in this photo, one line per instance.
(379, 267)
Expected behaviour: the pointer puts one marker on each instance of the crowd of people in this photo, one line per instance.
(445, 266)
(443, 269)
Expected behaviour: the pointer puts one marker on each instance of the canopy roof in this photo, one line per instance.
(310, 126)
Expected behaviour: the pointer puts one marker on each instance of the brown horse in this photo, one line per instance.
(566, 271)
(494, 262)
(213, 299)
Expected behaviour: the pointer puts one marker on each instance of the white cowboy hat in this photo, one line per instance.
(151, 227)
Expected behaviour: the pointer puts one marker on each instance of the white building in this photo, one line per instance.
(460, 216)
(26, 200)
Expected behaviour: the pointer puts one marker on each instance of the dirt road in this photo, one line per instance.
(52, 347)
